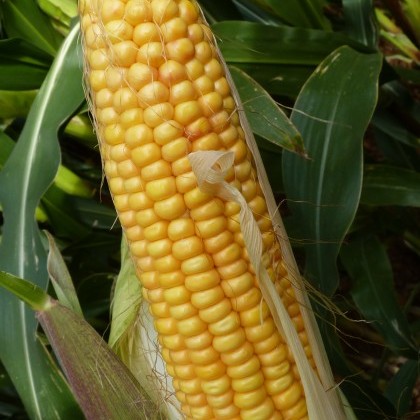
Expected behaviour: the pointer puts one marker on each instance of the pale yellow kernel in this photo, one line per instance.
(262, 331)
(166, 264)
(203, 280)
(194, 69)
(124, 99)
(204, 51)
(183, 311)
(139, 250)
(131, 118)
(114, 134)
(239, 355)
(153, 54)
(217, 242)
(167, 131)
(196, 198)
(182, 92)
(174, 29)
(207, 298)
(230, 412)
(190, 386)
(195, 33)
(112, 10)
(180, 229)
(274, 357)
(267, 345)
(175, 149)
(146, 32)
(181, 166)
(177, 295)
(187, 112)
(150, 280)
(233, 270)
(172, 72)
(276, 386)
(180, 357)
(227, 256)
(188, 11)
(229, 342)
(128, 218)
(217, 386)
(127, 169)
(249, 189)
(184, 371)
(156, 170)
(210, 141)
(157, 231)
(160, 310)
(124, 53)
(248, 383)
(210, 228)
(198, 128)
(118, 30)
(186, 182)
(227, 325)
(146, 217)
(97, 80)
(116, 185)
(154, 295)
(159, 248)
(171, 279)
(212, 208)
(108, 116)
(204, 356)
(229, 135)
(187, 248)
(119, 152)
(220, 121)
(192, 326)
(158, 114)
(258, 205)
(197, 264)
(204, 85)
(104, 98)
(262, 411)
(165, 326)
(153, 93)
(222, 86)
(245, 369)
(163, 10)
(243, 170)
(201, 412)
(137, 11)
(160, 189)
(181, 50)
(264, 223)
(229, 104)
(232, 209)
(247, 300)
(214, 69)
(134, 185)
(200, 341)
(140, 75)
(239, 285)
(255, 316)
(171, 208)
(146, 154)
(247, 400)
(174, 342)
(197, 400)
(121, 202)
(98, 59)
(210, 371)
(276, 371)
(216, 312)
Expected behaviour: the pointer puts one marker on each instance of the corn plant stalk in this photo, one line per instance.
(160, 92)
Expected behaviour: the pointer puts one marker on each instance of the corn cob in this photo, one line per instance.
(159, 92)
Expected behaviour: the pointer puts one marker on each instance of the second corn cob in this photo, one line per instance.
(160, 92)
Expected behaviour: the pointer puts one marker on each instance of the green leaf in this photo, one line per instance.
(390, 186)
(27, 173)
(373, 292)
(401, 386)
(266, 118)
(247, 42)
(61, 279)
(302, 13)
(15, 104)
(23, 19)
(360, 22)
(331, 113)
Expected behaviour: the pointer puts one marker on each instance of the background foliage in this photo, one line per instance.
(346, 176)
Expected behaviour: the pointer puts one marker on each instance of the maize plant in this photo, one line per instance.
(234, 325)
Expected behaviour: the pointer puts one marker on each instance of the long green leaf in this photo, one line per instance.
(331, 113)
(390, 186)
(23, 19)
(373, 291)
(25, 177)
(265, 117)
